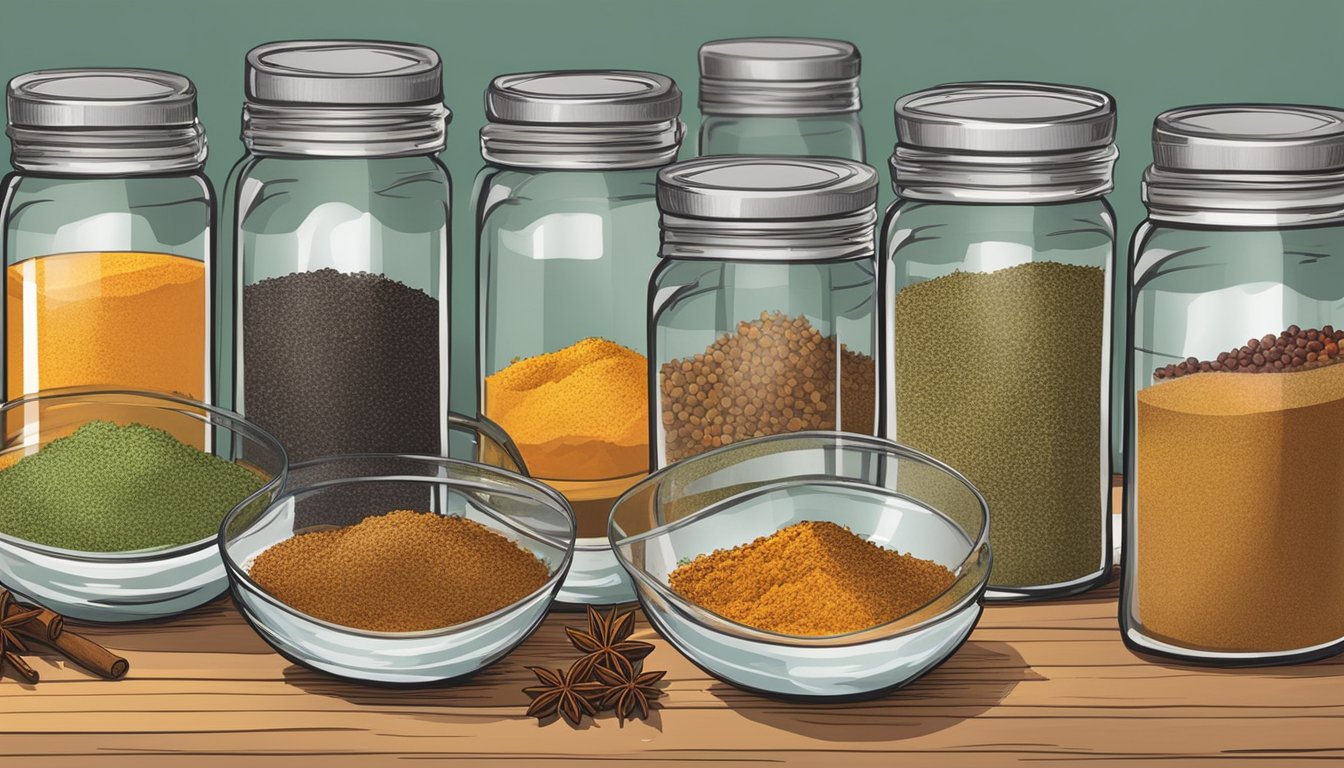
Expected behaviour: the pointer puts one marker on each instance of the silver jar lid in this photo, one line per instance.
(767, 208)
(1004, 142)
(1247, 165)
(104, 122)
(344, 98)
(582, 119)
(779, 76)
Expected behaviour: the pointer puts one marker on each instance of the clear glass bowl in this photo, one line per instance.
(343, 490)
(886, 493)
(141, 584)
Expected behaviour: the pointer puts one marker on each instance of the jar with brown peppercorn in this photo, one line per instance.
(761, 312)
(1235, 419)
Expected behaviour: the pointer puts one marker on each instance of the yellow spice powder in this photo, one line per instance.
(579, 413)
(812, 578)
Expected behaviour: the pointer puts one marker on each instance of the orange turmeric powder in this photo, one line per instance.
(580, 418)
(811, 579)
(113, 319)
(579, 413)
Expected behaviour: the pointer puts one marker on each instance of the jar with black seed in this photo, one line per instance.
(996, 317)
(339, 222)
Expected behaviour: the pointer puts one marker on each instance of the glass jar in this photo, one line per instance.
(566, 231)
(780, 96)
(1235, 422)
(997, 316)
(762, 310)
(340, 221)
(108, 249)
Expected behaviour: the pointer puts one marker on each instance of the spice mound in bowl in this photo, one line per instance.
(404, 571)
(810, 565)
(811, 578)
(111, 501)
(115, 488)
(424, 593)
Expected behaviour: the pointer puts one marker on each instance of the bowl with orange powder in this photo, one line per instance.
(814, 565)
(398, 570)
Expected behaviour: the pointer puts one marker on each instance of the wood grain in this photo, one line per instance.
(1037, 684)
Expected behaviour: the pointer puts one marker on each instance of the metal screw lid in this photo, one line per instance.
(1004, 142)
(767, 208)
(1247, 165)
(104, 122)
(344, 98)
(1030, 118)
(779, 58)
(746, 187)
(1249, 138)
(582, 119)
(779, 76)
(582, 97)
(331, 72)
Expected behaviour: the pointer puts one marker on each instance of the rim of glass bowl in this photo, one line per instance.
(724, 625)
(234, 422)
(239, 575)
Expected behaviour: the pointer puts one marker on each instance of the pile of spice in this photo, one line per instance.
(609, 676)
(579, 413)
(97, 319)
(404, 571)
(999, 375)
(340, 363)
(32, 622)
(771, 375)
(113, 488)
(1238, 526)
(813, 579)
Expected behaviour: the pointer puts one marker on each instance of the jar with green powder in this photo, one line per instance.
(996, 326)
(111, 502)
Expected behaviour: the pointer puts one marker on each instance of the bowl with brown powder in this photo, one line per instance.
(431, 592)
(815, 565)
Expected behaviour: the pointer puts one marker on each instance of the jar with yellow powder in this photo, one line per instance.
(567, 236)
(107, 234)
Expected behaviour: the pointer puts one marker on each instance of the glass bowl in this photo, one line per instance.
(136, 585)
(888, 494)
(342, 491)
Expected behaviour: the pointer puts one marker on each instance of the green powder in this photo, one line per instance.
(999, 375)
(109, 488)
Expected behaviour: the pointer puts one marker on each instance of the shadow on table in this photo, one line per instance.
(978, 678)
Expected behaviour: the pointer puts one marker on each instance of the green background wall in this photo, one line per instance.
(1151, 54)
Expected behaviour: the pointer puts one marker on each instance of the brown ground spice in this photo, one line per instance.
(812, 578)
(1238, 520)
(771, 375)
(400, 572)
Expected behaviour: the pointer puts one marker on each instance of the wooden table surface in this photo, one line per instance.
(1039, 684)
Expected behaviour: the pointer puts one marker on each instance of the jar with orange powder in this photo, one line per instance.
(108, 245)
(567, 232)
(1235, 420)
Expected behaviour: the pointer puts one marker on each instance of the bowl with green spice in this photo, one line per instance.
(110, 501)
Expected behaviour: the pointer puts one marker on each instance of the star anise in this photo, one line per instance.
(571, 693)
(607, 641)
(10, 644)
(628, 691)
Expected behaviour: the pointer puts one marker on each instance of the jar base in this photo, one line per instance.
(1003, 594)
(1140, 643)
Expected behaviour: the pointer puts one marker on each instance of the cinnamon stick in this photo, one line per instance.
(44, 627)
(89, 655)
(20, 666)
